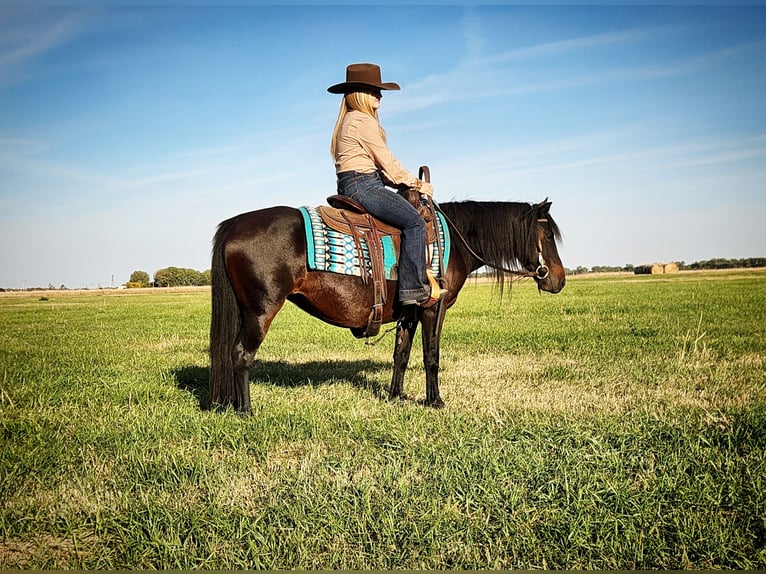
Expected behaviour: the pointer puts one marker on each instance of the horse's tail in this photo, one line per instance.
(224, 325)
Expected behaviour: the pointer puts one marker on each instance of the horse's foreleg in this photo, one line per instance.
(431, 336)
(405, 332)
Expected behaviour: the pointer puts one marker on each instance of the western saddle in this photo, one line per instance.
(347, 216)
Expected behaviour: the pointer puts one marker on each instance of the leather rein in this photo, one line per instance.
(540, 273)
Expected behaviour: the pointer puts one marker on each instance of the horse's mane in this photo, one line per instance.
(503, 234)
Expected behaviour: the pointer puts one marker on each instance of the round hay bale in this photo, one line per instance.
(648, 269)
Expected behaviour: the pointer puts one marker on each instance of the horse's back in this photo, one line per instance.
(267, 242)
(281, 221)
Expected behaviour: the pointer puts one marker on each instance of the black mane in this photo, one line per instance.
(503, 234)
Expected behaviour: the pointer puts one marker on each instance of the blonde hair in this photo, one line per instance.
(354, 101)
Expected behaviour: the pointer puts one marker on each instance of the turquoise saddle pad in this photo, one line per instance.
(330, 250)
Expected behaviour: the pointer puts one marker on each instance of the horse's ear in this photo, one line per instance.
(543, 207)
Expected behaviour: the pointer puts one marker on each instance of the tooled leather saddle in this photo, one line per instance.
(347, 216)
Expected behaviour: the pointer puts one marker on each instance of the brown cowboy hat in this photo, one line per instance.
(361, 77)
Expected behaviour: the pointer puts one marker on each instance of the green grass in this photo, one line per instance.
(619, 424)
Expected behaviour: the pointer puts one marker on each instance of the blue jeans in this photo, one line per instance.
(385, 204)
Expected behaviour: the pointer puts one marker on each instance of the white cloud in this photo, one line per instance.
(28, 33)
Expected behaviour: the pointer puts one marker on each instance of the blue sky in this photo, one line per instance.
(128, 132)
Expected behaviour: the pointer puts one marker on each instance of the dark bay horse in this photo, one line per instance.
(260, 261)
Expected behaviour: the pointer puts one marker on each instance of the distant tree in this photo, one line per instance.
(168, 277)
(718, 263)
(605, 269)
(138, 280)
(180, 277)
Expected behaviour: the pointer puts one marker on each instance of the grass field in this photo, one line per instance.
(619, 424)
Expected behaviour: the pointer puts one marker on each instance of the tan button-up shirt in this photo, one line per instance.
(360, 147)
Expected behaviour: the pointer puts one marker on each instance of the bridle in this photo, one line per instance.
(542, 272)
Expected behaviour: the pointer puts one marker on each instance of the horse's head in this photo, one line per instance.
(544, 261)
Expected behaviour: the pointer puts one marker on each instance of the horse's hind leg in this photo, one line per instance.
(261, 257)
(405, 332)
(251, 335)
(243, 356)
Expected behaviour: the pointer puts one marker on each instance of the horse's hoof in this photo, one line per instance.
(244, 413)
(436, 403)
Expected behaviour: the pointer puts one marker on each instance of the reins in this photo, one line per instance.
(541, 272)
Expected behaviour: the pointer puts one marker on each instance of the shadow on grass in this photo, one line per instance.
(195, 379)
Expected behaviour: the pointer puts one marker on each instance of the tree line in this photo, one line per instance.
(169, 277)
(718, 263)
(183, 277)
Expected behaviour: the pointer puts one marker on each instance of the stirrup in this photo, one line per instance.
(435, 287)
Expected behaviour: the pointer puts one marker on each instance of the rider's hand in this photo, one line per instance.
(426, 189)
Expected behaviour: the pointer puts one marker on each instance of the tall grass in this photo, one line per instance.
(619, 424)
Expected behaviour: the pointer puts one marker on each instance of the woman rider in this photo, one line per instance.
(365, 166)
